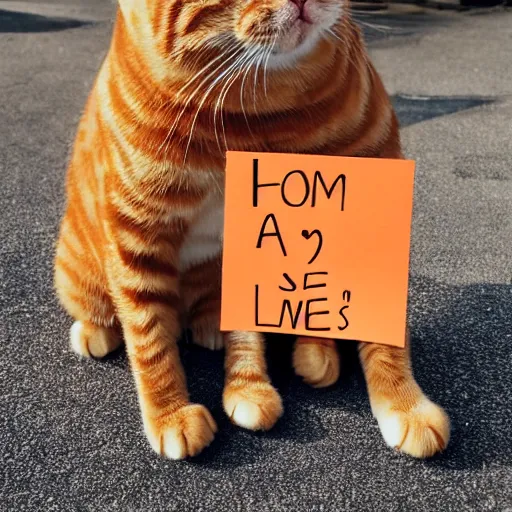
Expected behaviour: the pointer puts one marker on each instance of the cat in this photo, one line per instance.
(139, 251)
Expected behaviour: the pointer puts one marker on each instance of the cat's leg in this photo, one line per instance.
(317, 361)
(201, 292)
(249, 398)
(82, 290)
(408, 420)
(145, 285)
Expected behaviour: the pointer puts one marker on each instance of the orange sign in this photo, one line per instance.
(317, 246)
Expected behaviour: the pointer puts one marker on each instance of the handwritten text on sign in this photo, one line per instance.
(317, 246)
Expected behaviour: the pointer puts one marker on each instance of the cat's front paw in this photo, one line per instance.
(316, 360)
(421, 432)
(255, 406)
(184, 433)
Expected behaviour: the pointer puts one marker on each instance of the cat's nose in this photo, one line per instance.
(299, 3)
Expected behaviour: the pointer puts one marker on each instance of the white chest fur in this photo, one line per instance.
(204, 238)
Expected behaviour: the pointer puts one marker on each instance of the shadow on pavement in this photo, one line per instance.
(23, 22)
(469, 371)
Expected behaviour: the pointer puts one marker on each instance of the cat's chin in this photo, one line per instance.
(296, 44)
(296, 36)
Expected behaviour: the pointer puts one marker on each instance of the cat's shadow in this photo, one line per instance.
(462, 355)
(303, 405)
(234, 446)
(462, 348)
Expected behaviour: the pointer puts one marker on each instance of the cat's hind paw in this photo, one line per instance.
(255, 406)
(185, 433)
(89, 340)
(316, 360)
(213, 340)
(420, 432)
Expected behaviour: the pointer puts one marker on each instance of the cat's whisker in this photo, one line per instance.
(191, 96)
(229, 72)
(240, 61)
(249, 66)
(333, 34)
(199, 73)
(229, 83)
(247, 71)
(194, 93)
(212, 42)
(348, 56)
(265, 67)
(360, 16)
(207, 93)
(176, 121)
(374, 26)
(256, 73)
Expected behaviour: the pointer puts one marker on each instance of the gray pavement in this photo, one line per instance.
(70, 431)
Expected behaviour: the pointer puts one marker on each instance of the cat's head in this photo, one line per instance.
(280, 29)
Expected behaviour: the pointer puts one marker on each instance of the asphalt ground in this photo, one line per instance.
(70, 431)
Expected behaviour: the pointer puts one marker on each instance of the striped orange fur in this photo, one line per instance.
(139, 252)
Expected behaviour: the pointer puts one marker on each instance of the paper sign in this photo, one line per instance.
(317, 246)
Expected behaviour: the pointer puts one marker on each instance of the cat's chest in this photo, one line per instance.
(204, 237)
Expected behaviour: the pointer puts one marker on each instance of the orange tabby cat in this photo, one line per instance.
(139, 251)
